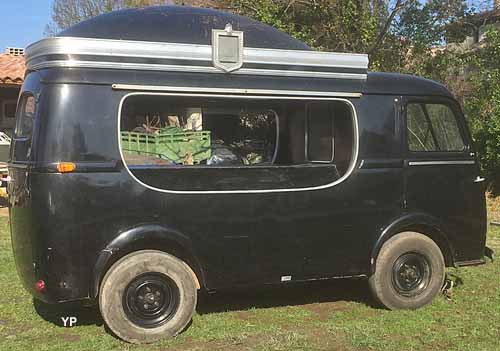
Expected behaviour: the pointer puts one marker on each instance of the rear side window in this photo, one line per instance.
(25, 117)
(432, 127)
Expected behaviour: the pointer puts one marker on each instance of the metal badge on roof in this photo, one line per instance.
(227, 48)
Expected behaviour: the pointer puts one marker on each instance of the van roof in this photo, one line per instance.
(403, 84)
(180, 24)
(178, 39)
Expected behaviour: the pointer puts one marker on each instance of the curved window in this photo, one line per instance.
(200, 143)
(25, 116)
(25, 120)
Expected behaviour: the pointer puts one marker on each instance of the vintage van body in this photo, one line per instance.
(288, 165)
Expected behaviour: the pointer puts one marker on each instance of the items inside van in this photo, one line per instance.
(159, 131)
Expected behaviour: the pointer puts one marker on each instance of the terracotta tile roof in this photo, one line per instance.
(12, 69)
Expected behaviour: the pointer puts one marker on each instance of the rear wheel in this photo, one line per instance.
(409, 271)
(147, 295)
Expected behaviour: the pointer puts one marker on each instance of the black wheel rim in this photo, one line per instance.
(411, 274)
(151, 299)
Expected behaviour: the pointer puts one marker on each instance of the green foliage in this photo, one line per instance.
(336, 25)
(418, 29)
(483, 106)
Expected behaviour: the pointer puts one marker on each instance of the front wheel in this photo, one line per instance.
(147, 295)
(409, 271)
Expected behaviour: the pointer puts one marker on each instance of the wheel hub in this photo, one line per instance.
(411, 274)
(151, 299)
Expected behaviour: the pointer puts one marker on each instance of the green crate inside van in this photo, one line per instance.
(172, 144)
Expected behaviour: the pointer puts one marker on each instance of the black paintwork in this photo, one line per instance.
(403, 84)
(180, 24)
(73, 226)
(69, 228)
(376, 84)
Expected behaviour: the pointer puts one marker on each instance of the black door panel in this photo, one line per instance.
(440, 179)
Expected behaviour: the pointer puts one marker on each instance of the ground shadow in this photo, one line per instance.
(240, 299)
(293, 294)
(85, 315)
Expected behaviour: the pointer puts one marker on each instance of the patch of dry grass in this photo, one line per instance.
(493, 205)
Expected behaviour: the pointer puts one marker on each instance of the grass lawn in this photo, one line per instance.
(336, 315)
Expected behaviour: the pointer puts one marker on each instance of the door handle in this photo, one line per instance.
(479, 179)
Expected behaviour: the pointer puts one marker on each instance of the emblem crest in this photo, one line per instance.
(227, 48)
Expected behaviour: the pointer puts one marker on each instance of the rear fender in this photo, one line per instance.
(147, 236)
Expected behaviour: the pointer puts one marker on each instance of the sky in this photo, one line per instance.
(23, 22)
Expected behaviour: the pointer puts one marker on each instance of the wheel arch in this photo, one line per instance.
(146, 237)
(417, 222)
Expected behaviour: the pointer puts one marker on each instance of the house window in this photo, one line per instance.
(9, 109)
(187, 143)
(432, 127)
(8, 115)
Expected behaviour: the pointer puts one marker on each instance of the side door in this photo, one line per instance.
(442, 174)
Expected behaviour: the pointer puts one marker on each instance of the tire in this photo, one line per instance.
(163, 281)
(409, 272)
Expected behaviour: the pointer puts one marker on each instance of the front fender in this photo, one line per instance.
(151, 236)
(420, 222)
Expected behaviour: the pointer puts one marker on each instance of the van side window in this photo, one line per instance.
(320, 141)
(221, 143)
(25, 117)
(432, 127)
(168, 133)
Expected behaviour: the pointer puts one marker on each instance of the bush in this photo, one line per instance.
(482, 106)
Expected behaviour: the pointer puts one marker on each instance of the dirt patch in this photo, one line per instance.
(245, 315)
(11, 330)
(4, 212)
(323, 339)
(206, 345)
(325, 310)
(71, 337)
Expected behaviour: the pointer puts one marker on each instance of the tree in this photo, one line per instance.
(418, 33)
(483, 105)
(335, 25)
(66, 13)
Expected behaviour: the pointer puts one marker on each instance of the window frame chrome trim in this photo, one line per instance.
(350, 170)
(266, 92)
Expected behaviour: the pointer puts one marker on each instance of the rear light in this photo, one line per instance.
(66, 167)
(40, 286)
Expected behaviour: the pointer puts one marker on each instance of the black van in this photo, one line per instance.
(163, 150)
